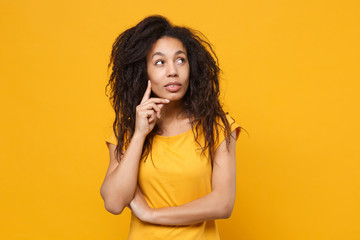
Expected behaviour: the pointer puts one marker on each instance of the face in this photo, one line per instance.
(168, 68)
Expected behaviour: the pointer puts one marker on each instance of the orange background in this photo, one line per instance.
(291, 79)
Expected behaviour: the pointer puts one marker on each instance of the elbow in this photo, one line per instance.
(226, 210)
(223, 204)
(112, 206)
(115, 209)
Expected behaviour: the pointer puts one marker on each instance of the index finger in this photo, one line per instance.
(147, 93)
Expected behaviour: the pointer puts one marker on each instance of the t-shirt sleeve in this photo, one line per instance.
(233, 126)
(111, 139)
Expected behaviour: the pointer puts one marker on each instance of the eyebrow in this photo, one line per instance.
(161, 54)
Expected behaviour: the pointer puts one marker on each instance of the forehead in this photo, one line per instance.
(167, 45)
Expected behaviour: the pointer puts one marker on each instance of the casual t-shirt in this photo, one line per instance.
(177, 175)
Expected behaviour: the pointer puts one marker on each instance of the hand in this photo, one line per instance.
(147, 112)
(139, 206)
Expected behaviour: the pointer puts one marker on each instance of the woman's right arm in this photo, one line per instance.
(118, 188)
(120, 182)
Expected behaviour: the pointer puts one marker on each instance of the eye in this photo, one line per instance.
(182, 60)
(159, 62)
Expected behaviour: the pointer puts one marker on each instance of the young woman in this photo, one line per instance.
(172, 150)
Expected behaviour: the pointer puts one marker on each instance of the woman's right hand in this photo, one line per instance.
(147, 112)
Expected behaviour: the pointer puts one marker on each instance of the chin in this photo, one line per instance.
(174, 97)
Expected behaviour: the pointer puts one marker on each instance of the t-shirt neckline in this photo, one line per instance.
(174, 136)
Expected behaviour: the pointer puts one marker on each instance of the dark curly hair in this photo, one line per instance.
(128, 82)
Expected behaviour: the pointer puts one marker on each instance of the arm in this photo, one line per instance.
(120, 181)
(215, 205)
(119, 186)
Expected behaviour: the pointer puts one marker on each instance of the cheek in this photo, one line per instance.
(187, 69)
(186, 73)
(155, 80)
(154, 73)
(149, 72)
(155, 77)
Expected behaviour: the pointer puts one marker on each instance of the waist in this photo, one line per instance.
(140, 230)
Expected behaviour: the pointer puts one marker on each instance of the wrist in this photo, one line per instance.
(138, 136)
(149, 215)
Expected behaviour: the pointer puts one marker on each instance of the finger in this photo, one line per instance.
(157, 100)
(150, 115)
(145, 114)
(147, 92)
(148, 106)
(151, 119)
(153, 106)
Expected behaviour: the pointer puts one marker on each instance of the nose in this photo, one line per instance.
(171, 70)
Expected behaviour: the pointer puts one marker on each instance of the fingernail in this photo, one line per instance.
(167, 100)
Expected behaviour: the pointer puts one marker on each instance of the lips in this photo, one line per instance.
(173, 86)
(173, 83)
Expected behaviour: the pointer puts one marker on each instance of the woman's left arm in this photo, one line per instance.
(216, 205)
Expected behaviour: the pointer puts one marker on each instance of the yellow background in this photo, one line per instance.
(291, 79)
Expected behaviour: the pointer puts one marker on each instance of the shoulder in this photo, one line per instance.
(221, 132)
(111, 138)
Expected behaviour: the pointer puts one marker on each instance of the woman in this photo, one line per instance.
(176, 168)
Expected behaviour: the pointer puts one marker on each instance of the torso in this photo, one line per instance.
(174, 174)
(175, 128)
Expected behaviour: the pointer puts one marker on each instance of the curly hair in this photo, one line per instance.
(128, 82)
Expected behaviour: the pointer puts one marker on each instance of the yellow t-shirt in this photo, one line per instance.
(180, 175)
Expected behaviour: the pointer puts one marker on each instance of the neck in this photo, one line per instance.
(172, 112)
